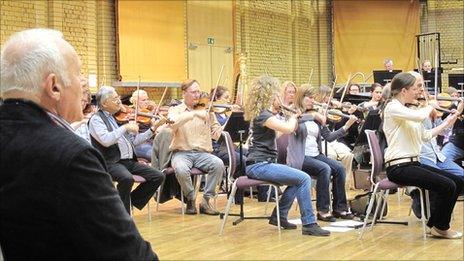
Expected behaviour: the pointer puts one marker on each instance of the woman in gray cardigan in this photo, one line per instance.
(304, 152)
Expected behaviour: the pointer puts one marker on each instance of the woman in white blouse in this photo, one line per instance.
(405, 133)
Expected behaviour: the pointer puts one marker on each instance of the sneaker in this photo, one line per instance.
(314, 230)
(326, 218)
(283, 223)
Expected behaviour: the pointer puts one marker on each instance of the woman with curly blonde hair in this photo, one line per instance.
(261, 108)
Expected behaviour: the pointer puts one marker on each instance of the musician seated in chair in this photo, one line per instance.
(139, 100)
(116, 143)
(193, 129)
(304, 152)
(376, 97)
(430, 153)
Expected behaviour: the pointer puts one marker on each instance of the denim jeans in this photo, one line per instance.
(452, 151)
(448, 165)
(298, 185)
(144, 150)
(323, 169)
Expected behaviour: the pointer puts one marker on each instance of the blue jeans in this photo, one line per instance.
(298, 185)
(448, 165)
(323, 169)
(144, 150)
(452, 151)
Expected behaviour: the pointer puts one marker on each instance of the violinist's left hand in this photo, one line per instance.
(320, 118)
(352, 109)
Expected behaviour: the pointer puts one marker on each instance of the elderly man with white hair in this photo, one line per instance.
(117, 145)
(57, 200)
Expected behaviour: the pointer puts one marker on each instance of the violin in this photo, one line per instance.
(126, 114)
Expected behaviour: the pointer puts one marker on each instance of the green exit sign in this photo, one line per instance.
(210, 40)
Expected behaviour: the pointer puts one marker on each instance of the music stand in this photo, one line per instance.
(456, 80)
(383, 77)
(429, 80)
(371, 122)
(235, 124)
(238, 129)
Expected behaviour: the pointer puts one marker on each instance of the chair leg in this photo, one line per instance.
(267, 200)
(427, 199)
(158, 195)
(251, 192)
(149, 211)
(229, 204)
(377, 207)
(277, 207)
(422, 213)
(383, 205)
(369, 210)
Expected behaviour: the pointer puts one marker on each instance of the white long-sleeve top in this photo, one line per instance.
(404, 130)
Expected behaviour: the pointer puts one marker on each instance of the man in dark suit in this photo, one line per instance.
(57, 200)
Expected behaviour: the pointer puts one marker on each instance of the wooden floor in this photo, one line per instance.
(176, 237)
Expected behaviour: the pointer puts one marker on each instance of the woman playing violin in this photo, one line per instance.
(139, 100)
(222, 97)
(304, 152)
(261, 108)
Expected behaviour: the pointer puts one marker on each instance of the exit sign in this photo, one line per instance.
(210, 40)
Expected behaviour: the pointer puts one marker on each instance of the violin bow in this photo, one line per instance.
(331, 96)
(310, 77)
(161, 100)
(138, 98)
(436, 71)
(215, 89)
(346, 88)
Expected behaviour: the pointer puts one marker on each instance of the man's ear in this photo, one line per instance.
(53, 89)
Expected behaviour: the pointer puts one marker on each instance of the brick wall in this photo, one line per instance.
(88, 25)
(285, 39)
(447, 18)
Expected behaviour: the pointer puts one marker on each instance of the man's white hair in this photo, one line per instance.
(29, 56)
(103, 94)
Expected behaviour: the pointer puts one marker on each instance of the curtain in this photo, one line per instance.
(368, 32)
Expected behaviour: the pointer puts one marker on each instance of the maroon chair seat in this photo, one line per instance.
(194, 172)
(385, 184)
(140, 179)
(245, 182)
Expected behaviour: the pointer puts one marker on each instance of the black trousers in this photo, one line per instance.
(443, 186)
(122, 172)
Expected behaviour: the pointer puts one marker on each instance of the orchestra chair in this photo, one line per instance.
(166, 137)
(382, 188)
(140, 179)
(241, 183)
(244, 182)
(231, 167)
(194, 172)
